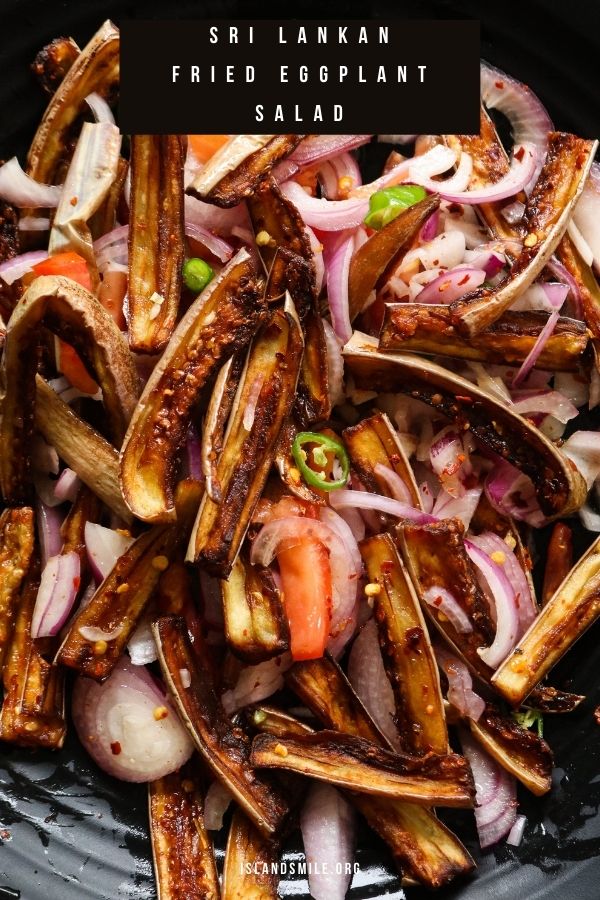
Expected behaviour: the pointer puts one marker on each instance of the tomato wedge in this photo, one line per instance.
(206, 145)
(70, 265)
(306, 582)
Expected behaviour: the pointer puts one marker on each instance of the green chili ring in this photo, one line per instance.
(324, 443)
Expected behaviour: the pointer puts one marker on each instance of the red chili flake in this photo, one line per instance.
(115, 747)
(455, 208)
(464, 280)
(437, 601)
(73, 201)
(520, 153)
(413, 636)
(464, 399)
(387, 565)
(76, 582)
(499, 85)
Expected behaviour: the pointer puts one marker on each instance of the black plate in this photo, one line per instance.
(69, 831)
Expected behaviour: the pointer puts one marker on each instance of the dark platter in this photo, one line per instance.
(69, 831)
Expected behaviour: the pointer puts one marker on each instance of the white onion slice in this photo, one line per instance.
(104, 547)
(440, 598)
(13, 269)
(583, 449)
(100, 108)
(343, 499)
(256, 683)
(515, 835)
(368, 677)
(335, 365)
(328, 826)
(142, 646)
(216, 803)
(19, 189)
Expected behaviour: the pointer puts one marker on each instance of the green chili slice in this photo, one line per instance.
(318, 454)
(387, 204)
(527, 718)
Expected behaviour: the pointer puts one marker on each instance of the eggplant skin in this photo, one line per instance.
(424, 328)
(250, 868)
(17, 538)
(184, 861)
(273, 213)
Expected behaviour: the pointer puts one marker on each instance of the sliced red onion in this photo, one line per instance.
(446, 251)
(215, 245)
(460, 685)
(448, 507)
(117, 724)
(515, 835)
(217, 220)
(587, 214)
(328, 179)
(430, 228)
(256, 683)
(118, 235)
(337, 524)
(529, 120)
(441, 599)
(67, 486)
(503, 595)
(49, 522)
(335, 365)
(56, 594)
(332, 172)
(142, 646)
(328, 826)
(19, 189)
(104, 547)
(495, 793)
(319, 265)
(532, 357)
(557, 269)
(368, 677)
(488, 259)
(396, 486)
(100, 108)
(13, 269)
(546, 296)
(34, 223)
(193, 455)
(553, 403)
(513, 212)
(337, 256)
(583, 449)
(320, 147)
(397, 138)
(251, 403)
(452, 285)
(93, 633)
(580, 243)
(216, 803)
(355, 522)
(493, 384)
(344, 498)
(449, 460)
(456, 183)
(512, 494)
(501, 554)
(344, 616)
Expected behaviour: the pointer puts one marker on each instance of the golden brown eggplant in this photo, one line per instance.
(559, 560)
(184, 859)
(589, 289)
(271, 720)
(268, 384)
(75, 314)
(53, 61)
(566, 616)
(428, 328)
(407, 653)
(96, 70)
(547, 214)
(375, 441)
(156, 239)
(251, 860)
(421, 845)
(98, 634)
(351, 762)
(559, 486)
(17, 538)
(236, 169)
(280, 225)
(85, 508)
(219, 322)
(256, 626)
(83, 449)
(519, 751)
(383, 250)
(224, 747)
(215, 421)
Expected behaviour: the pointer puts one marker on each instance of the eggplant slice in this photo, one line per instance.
(53, 62)
(224, 747)
(221, 321)
(547, 214)
(77, 317)
(251, 862)
(566, 616)
(184, 859)
(559, 487)
(17, 539)
(428, 328)
(267, 386)
(156, 239)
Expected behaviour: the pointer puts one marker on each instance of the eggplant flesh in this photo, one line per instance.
(17, 539)
(224, 747)
(53, 62)
(559, 487)
(250, 868)
(428, 328)
(362, 766)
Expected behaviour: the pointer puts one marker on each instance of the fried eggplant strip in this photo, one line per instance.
(96, 69)
(256, 625)
(86, 508)
(407, 653)
(421, 845)
(91, 174)
(519, 751)
(224, 747)
(156, 239)
(270, 720)
(215, 421)
(269, 383)
(277, 217)
(566, 616)
(547, 214)
(53, 62)
(17, 537)
(559, 560)
(359, 765)
(383, 250)
(32, 712)
(237, 168)
(374, 441)
(250, 868)
(183, 855)
(83, 449)
(220, 321)
(425, 328)
(559, 487)
(589, 289)
(121, 598)
(76, 315)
